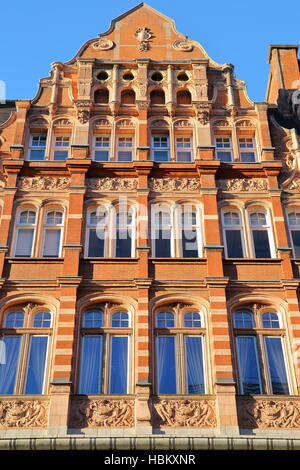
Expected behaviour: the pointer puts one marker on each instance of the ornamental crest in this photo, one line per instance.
(103, 44)
(183, 45)
(143, 36)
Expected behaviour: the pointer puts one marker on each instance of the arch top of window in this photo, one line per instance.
(258, 218)
(231, 217)
(54, 217)
(98, 216)
(270, 320)
(243, 318)
(93, 318)
(42, 319)
(294, 218)
(192, 320)
(165, 319)
(27, 216)
(120, 319)
(14, 319)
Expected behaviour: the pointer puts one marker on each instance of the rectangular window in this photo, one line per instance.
(162, 243)
(184, 149)
(160, 148)
(36, 365)
(118, 381)
(189, 243)
(52, 243)
(248, 365)
(247, 149)
(24, 242)
(261, 243)
(296, 242)
(96, 243)
(123, 243)
(91, 365)
(234, 243)
(125, 147)
(37, 147)
(194, 364)
(224, 149)
(9, 364)
(276, 366)
(61, 148)
(166, 364)
(102, 148)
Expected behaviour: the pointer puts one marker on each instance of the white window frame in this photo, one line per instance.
(54, 227)
(18, 226)
(90, 226)
(126, 148)
(252, 149)
(196, 227)
(155, 209)
(184, 149)
(100, 148)
(268, 228)
(31, 147)
(294, 228)
(160, 149)
(114, 214)
(224, 149)
(61, 148)
(239, 227)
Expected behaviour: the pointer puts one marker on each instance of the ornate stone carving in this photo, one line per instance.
(3, 178)
(200, 82)
(174, 184)
(183, 45)
(221, 123)
(143, 36)
(27, 308)
(202, 112)
(102, 413)
(125, 123)
(159, 124)
(62, 123)
(112, 184)
(266, 414)
(183, 123)
(103, 44)
(43, 183)
(186, 413)
(243, 184)
(102, 123)
(23, 414)
(83, 115)
(40, 122)
(245, 123)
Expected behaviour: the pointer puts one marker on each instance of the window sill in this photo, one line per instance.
(178, 260)
(110, 260)
(253, 260)
(21, 259)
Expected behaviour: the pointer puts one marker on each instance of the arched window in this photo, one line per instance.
(52, 239)
(101, 96)
(233, 234)
(261, 354)
(180, 364)
(190, 231)
(104, 355)
(128, 97)
(23, 364)
(124, 232)
(25, 233)
(97, 233)
(261, 234)
(184, 97)
(162, 232)
(157, 97)
(294, 231)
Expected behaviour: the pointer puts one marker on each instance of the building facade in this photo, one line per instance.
(150, 250)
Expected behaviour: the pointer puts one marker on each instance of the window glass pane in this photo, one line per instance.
(36, 365)
(224, 156)
(52, 242)
(189, 244)
(123, 243)
(101, 156)
(294, 218)
(42, 320)
(276, 364)
(243, 320)
(184, 156)
(231, 218)
(166, 364)
(118, 382)
(270, 320)
(120, 320)
(234, 244)
(248, 365)
(54, 218)
(93, 319)
(192, 320)
(261, 244)
(14, 320)
(161, 156)
(9, 364)
(27, 218)
(296, 242)
(102, 142)
(165, 320)
(96, 243)
(125, 156)
(91, 365)
(248, 157)
(162, 243)
(37, 154)
(258, 219)
(24, 242)
(62, 141)
(60, 155)
(194, 364)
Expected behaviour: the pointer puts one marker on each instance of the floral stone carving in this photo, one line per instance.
(112, 184)
(43, 183)
(102, 413)
(186, 413)
(143, 36)
(174, 184)
(268, 414)
(243, 184)
(27, 414)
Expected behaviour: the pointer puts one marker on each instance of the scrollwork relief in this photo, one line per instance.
(174, 184)
(183, 45)
(103, 44)
(23, 414)
(266, 414)
(186, 413)
(112, 184)
(143, 36)
(102, 413)
(243, 184)
(43, 183)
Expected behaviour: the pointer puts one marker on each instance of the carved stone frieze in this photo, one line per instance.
(83, 111)
(3, 177)
(43, 183)
(174, 184)
(112, 184)
(203, 112)
(200, 82)
(243, 184)
(102, 413)
(143, 36)
(183, 45)
(23, 414)
(103, 44)
(266, 414)
(186, 413)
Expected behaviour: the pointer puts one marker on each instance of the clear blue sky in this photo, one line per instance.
(35, 33)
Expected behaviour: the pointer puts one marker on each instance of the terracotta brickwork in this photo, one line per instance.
(179, 129)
